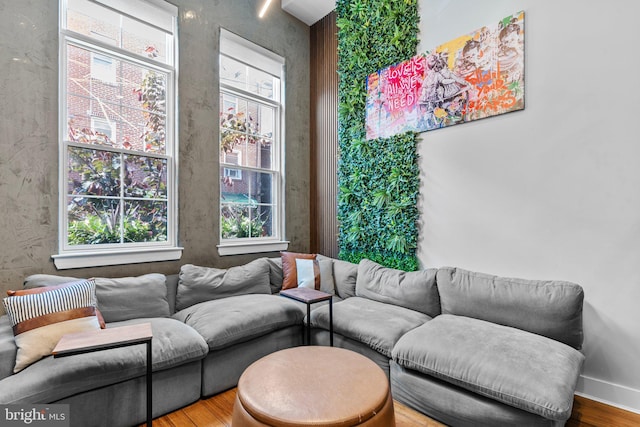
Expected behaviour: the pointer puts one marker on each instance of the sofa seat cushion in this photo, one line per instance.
(232, 320)
(518, 368)
(373, 323)
(50, 380)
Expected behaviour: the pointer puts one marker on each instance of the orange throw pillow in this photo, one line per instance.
(289, 268)
(41, 289)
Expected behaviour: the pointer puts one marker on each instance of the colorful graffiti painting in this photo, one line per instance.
(472, 77)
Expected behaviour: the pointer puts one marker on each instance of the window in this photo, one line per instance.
(103, 68)
(251, 144)
(233, 158)
(117, 138)
(103, 128)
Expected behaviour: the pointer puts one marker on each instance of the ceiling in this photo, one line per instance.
(309, 11)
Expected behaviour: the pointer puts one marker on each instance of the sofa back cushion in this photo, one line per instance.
(549, 308)
(414, 290)
(198, 284)
(275, 274)
(172, 290)
(8, 348)
(345, 275)
(126, 298)
(121, 298)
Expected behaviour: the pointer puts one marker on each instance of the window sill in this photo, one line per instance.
(117, 257)
(252, 247)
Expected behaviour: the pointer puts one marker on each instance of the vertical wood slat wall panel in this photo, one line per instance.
(324, 136)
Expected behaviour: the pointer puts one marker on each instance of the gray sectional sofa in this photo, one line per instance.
(465, 348)
(461, 347)
(208, 326)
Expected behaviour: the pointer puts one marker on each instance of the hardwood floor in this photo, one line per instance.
(217, 410)
(589, 413)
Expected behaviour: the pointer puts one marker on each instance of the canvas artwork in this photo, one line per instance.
(472, 77)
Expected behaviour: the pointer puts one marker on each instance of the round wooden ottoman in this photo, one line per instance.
(313, 386)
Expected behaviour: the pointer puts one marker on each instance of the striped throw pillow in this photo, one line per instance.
(39, 320)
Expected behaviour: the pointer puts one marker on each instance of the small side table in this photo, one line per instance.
(103, 339)
(310, 296)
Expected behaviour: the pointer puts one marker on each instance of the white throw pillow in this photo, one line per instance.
(308, 273)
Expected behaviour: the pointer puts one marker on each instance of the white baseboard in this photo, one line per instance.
(609, 393)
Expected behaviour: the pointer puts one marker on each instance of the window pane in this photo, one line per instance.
(145, 177)
(231, 141)
(246, 77)
(261, 186)
(93, 172)
(235, 190)
(144, 40)
(261, 83)
(233, 73)
(92, 20)
(134, 133)
(233, 116)
(135, 104)
(103, 24)
(251, 152)
(263, 215)
(145, 221)
(243, 221)
(266, 121)
(266, 153)
(93, 221)
(234, 221)
(228, 105)
(253, 188)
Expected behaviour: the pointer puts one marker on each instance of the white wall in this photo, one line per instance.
(553, 191)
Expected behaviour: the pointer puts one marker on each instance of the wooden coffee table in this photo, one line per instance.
(103, 339)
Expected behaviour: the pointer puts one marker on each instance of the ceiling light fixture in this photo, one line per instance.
(264, 8)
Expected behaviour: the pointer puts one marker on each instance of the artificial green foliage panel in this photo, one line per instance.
(378, 179)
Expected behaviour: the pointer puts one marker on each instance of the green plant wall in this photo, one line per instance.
(378, 179)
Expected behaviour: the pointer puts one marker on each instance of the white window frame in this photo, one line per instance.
(161, 15)
(239, 49)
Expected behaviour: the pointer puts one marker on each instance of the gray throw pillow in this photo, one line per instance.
(414, 290)
(275, 274)
(120, 298)
(128, 298)
(42, 280)
(345, 274)
(199, 284)
(327, 282)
